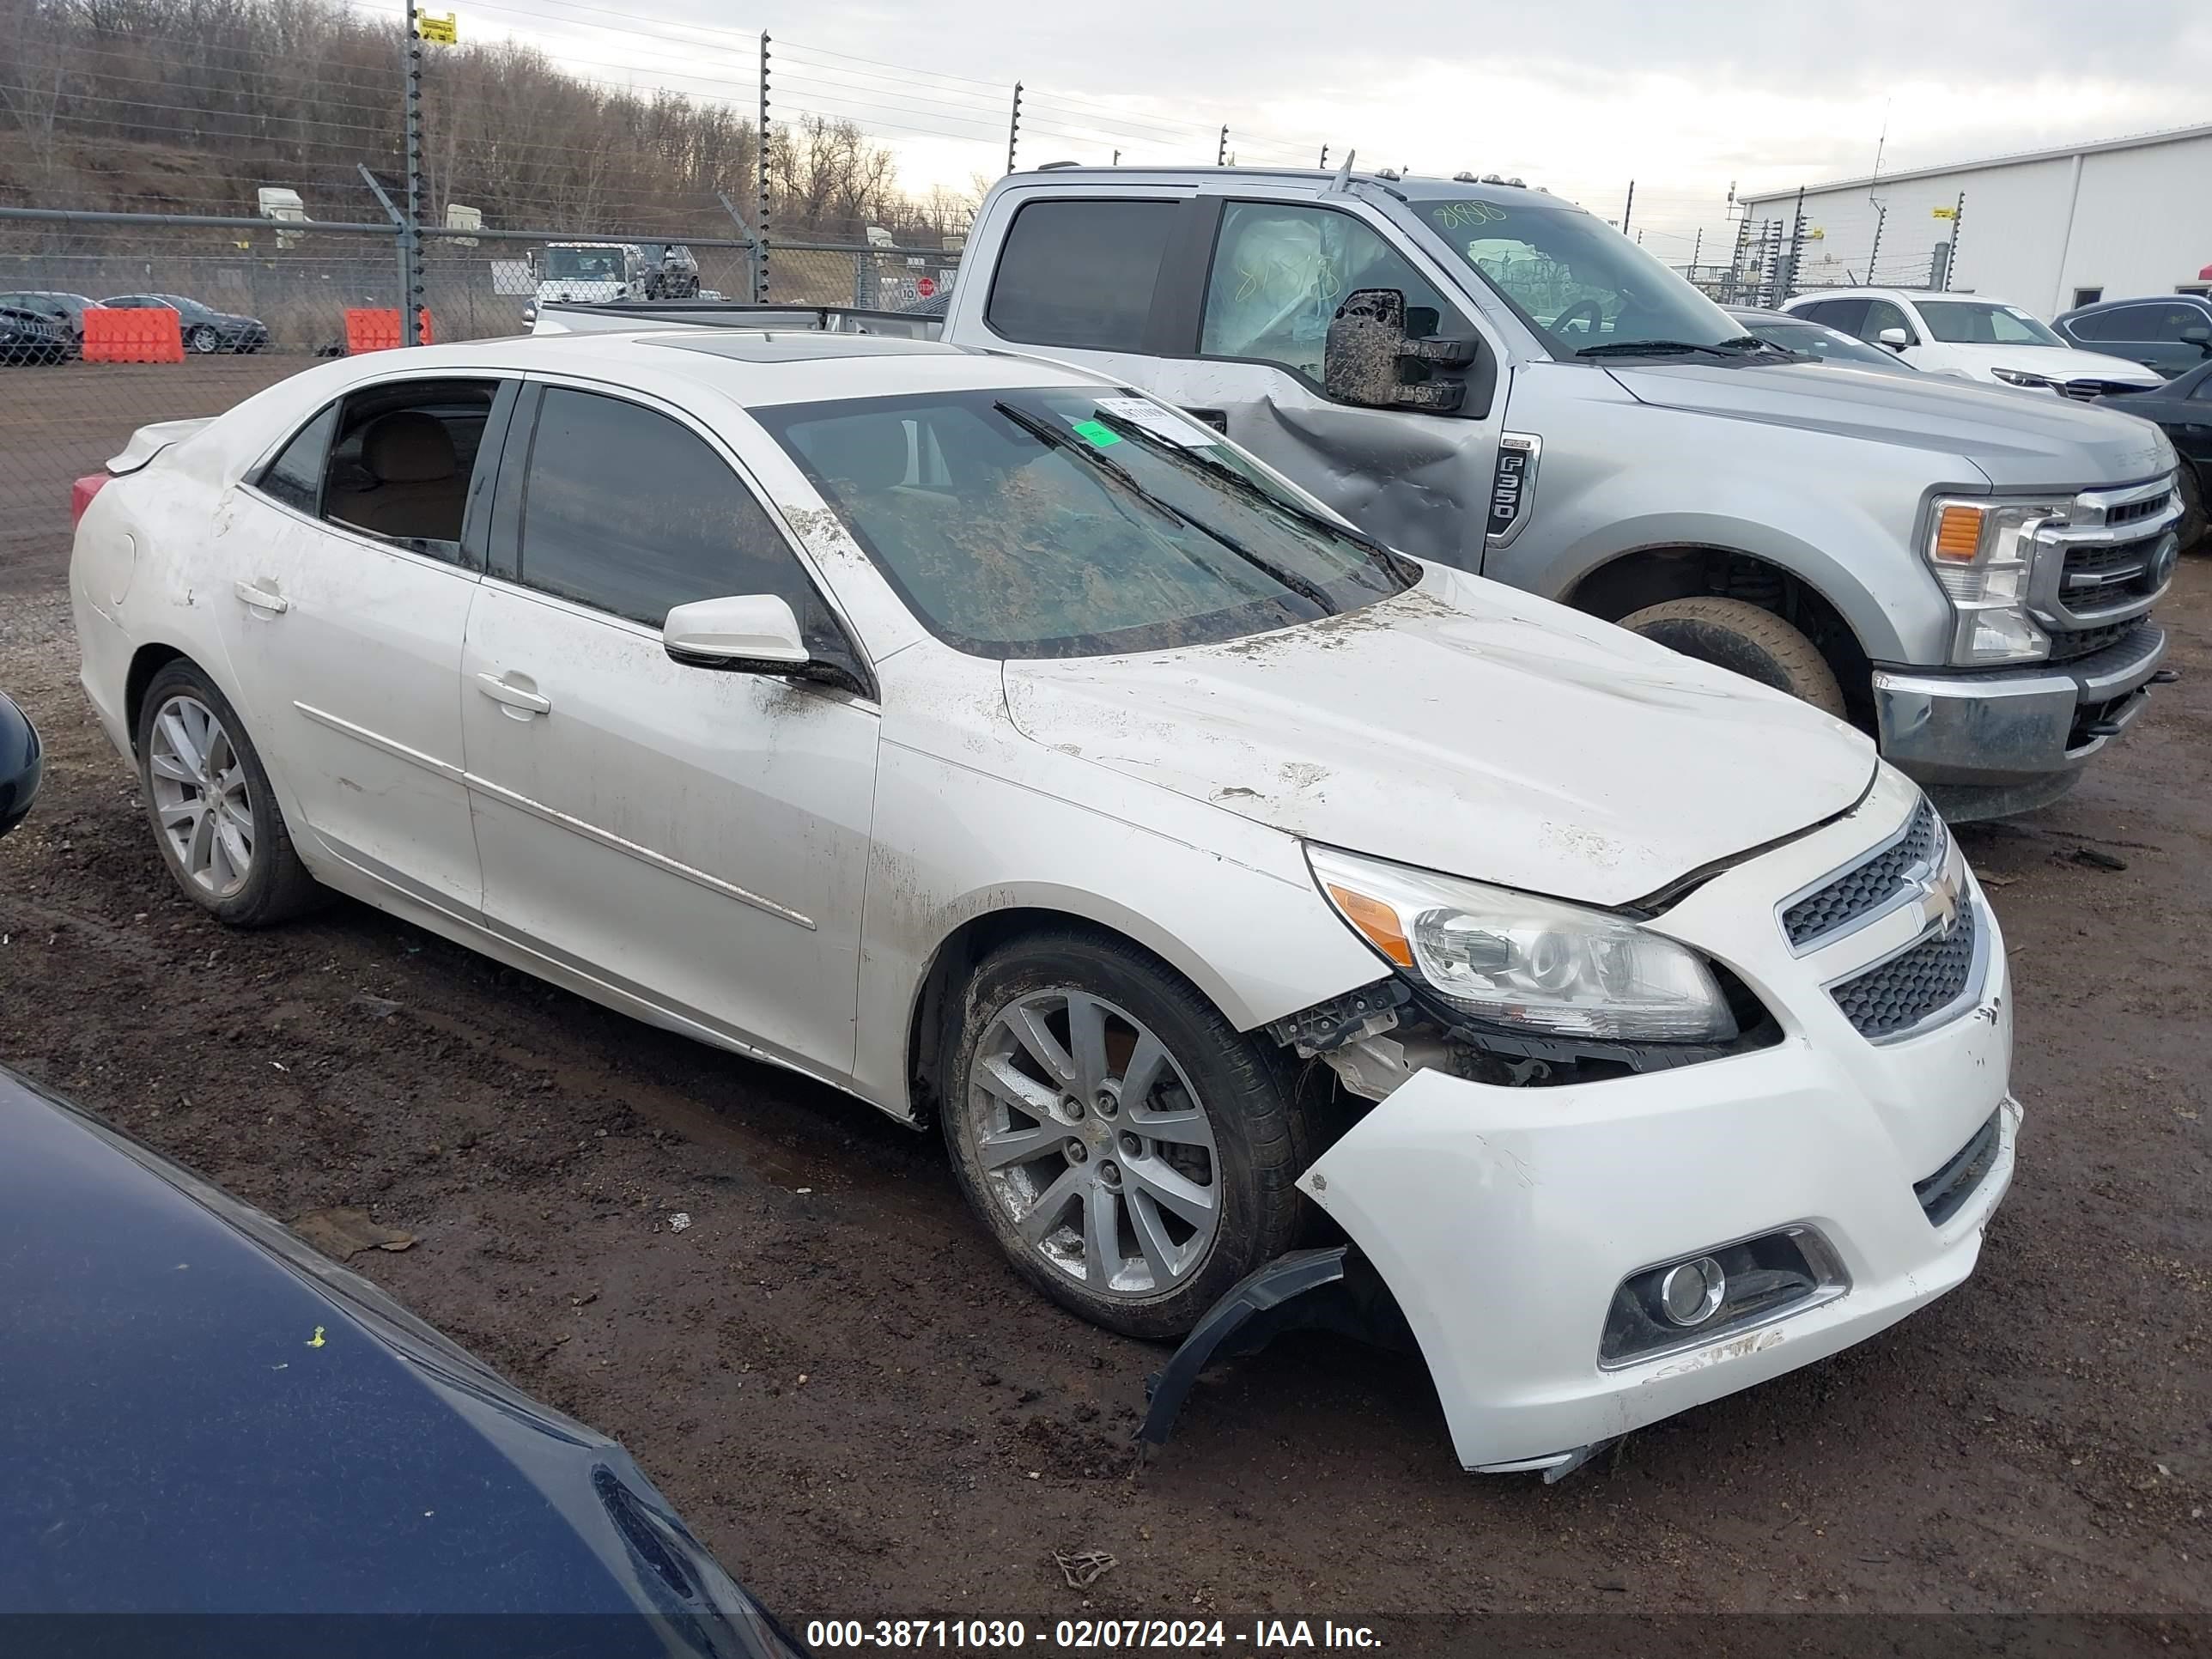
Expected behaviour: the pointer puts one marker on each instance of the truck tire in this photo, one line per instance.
(1736, 635)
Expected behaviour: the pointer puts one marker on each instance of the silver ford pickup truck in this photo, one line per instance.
(1487, 376)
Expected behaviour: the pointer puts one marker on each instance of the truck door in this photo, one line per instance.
(1276, 272)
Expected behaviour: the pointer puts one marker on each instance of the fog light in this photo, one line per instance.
(1691, 1293)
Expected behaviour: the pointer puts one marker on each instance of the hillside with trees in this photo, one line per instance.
(191, 105)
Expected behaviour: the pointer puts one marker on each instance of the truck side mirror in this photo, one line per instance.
(1365, 360)
(1895, 338)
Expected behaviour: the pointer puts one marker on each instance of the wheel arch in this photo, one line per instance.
(1643, 576)
(147, 661)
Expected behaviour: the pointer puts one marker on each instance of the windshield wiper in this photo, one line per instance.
(1218, 472)
(1045, 433)
(1659, 349)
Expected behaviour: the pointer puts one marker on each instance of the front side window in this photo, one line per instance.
(1882, 314)
(632, 513)
(1280, 272)
(1583, 283)
(1066, 523)
(1081, 273)
(1983, 322)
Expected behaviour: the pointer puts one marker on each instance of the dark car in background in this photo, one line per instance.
(2182, 408)
(21, 763)
(28, 337)
(1817, 341)
(56, 307)
(204, 1416)
(2169, 332)
(205, 330)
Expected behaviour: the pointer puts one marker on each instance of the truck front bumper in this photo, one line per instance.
(1985, 744)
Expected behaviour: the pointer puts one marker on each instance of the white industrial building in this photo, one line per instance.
(2048, 230)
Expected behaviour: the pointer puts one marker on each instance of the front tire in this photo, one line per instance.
(214, 815)
(2195, 528)
(1736, 635)
(204, 340)
(1133, 1154)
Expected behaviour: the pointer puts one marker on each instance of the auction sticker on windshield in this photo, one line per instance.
(1143, 412)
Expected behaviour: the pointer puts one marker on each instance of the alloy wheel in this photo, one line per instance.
(1092, 1143)
(201, 797)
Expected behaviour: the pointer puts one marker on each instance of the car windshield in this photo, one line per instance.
(597, 264)
(1574, 277)
(1812, 340)
(1072, 523)
(1983, 322)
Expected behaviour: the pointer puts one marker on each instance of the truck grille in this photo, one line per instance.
(2105, 565)
(2088, 642)
(1868, 886)
(1913, 987)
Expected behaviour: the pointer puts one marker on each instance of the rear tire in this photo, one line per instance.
(2195, 528)
(215, 817)
(1736, 635)
(1094, 1197)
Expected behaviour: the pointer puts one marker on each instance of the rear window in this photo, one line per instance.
(1081, 273)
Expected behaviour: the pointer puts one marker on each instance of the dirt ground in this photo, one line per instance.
(865, 1414)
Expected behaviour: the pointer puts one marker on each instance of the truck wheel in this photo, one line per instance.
(1736, 635)
(1134, 1154)
(2195, 529)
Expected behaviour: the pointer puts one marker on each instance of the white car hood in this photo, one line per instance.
(2054, 362)
(1467, 728)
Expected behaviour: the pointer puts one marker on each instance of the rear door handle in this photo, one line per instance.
(262, 598)
(514, 696)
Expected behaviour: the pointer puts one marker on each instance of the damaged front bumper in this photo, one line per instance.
(1843, 1180)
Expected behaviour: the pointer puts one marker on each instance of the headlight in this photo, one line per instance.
(1982, 553)
(1515, 960)
(2025, 377)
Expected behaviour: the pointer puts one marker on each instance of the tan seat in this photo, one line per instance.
(416, 490)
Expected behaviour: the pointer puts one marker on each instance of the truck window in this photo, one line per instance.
(1081, 273)
(1280, 272)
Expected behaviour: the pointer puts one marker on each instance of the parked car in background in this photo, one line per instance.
(1000, 745)
(204, 1416)
(21, 763)
(2182, 408)
(1806, 338)
(1970, 337)
(28, 337)
(56, 307)
(205, 330)
(2171, 333)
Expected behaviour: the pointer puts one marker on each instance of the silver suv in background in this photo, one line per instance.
(1488, 376)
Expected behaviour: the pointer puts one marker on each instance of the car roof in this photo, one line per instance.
(753, 368)
(2091, 310)
(1496, 190)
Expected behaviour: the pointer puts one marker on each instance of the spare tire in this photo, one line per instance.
(1736, 635)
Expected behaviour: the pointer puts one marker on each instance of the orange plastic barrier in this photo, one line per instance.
(124, 334)
(369, 329)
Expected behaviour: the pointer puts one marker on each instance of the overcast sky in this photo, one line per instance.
(1684, 98)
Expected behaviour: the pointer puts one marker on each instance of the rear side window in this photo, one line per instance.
(1848, 315)
(295, 477)
(631, 513)
(1081, 273)
(402, 460)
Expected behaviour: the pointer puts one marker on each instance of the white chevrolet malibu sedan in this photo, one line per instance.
(1006, 748)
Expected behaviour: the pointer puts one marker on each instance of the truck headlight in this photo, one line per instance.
(1982, 553)
(1513, 959)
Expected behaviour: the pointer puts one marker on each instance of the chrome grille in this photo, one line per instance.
(2105, 564)
(1913, 987)
(1864, 889)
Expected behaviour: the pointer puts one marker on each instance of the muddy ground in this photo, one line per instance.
(864, 1413)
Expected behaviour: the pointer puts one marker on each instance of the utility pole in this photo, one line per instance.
(1221, 154)
(1014, 127)
(760, 203)
(1629, 208)
(410, 233)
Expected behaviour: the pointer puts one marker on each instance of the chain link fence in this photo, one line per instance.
(257, 302)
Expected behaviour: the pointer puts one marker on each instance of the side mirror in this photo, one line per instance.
(1367, 349)
(2199, 337)
(1895, 338)
(747, 633)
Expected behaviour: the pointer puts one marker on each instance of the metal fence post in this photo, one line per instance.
(1958, 218)
(1874, 254)
(1014, 127)
(1796, 249)
(399, 227)
(411, 232)
(755, 276)
(1221, 155)
(760, 209)
(1628, 208)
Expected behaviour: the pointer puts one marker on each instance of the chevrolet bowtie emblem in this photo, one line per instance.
(1937, 894)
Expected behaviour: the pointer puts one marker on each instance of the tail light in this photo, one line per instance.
(81, 494)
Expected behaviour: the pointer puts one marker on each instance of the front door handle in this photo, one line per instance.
(514, 696)
(262, 598)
